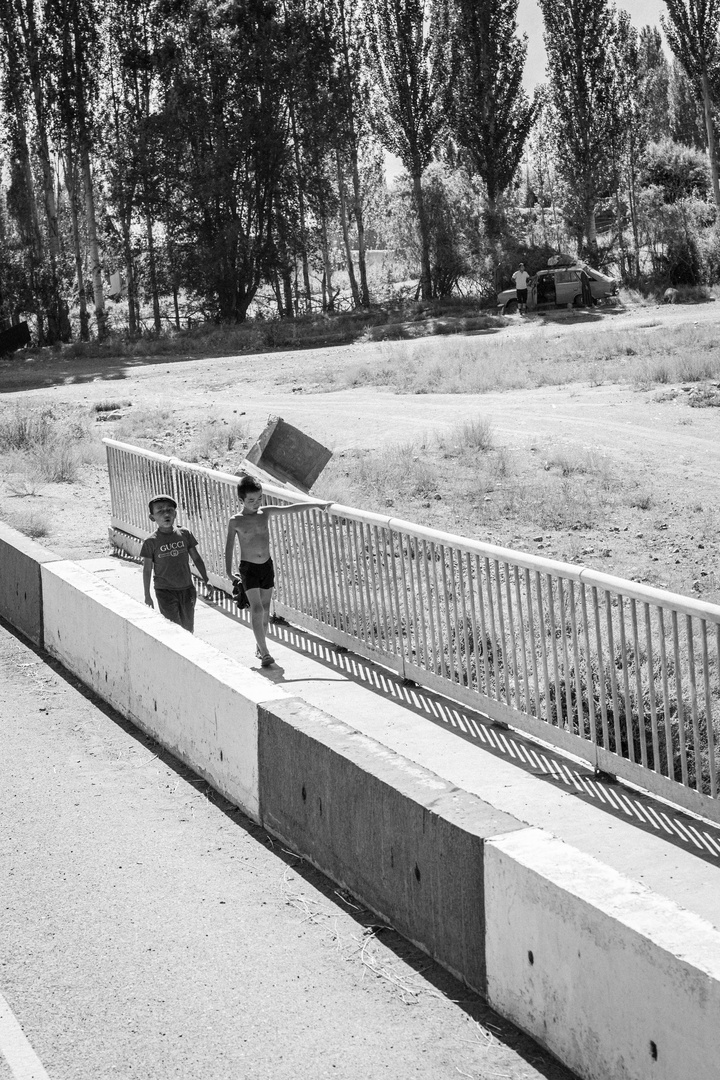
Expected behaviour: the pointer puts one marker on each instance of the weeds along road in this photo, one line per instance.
(148, 930)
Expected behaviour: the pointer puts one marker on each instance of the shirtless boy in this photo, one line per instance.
(257, 573)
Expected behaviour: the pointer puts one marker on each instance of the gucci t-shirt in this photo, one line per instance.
(169, 553)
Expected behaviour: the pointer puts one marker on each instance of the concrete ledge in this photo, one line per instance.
(618, 982)
(407, 843)
(20, 582)
(202, 706)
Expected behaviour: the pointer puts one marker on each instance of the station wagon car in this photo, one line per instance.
(561, 286)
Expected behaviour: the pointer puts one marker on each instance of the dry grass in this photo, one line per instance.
(44, 445)
(477, 365)
(30, 521)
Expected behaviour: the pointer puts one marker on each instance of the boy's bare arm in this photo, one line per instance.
(230, 546)
(297, 508)
(147, 575)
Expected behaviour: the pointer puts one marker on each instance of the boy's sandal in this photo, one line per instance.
(266, 660)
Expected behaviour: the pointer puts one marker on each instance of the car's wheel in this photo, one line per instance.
(578, 300)
(510, 308)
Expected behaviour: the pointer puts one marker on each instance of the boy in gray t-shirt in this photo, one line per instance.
(168, 552)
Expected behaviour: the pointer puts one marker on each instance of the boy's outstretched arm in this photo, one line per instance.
(230, 547)
(297, 508)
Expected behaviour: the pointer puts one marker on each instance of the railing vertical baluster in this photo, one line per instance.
(359, 563)
(638, 686)
(386, 622)
(709, 731)
(480, 615)
(626, 681)
(577, 666)
(592, 733)
(408, 638)
(523, 645)
(542, 633)
(345, 612)
(651, 689)
(534, 644)
(438, 612)
(693, 702)
(601, 670)
(322, 524)
(354, 580)
(612, 674)
(501, 628)
(284, 580)
(679, 704)
(669, 741)
(463, 587)
(553, 639)
(418, 602)
(430, 599)
(565, 655)
(304, 557)
(497, 661)
(370, 585)
(512, 637)
(449, 645)
(456, 636)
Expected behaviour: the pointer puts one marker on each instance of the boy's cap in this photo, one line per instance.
(161, 498)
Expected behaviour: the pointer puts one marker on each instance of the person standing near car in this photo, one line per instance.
(521, 278)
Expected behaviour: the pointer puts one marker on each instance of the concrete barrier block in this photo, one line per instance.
(202, 706)
(20, 582)
(407, 843)
(616, 981)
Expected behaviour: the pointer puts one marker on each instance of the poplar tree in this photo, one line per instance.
(408, 55)
(491, 113)
(692, 31)
(580, 38)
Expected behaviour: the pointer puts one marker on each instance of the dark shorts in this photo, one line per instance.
(178, 605)
(522, 296)
(257, 575)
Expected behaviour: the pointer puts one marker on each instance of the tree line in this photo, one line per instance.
(211, 150)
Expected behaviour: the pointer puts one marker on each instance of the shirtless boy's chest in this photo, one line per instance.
(254, 527)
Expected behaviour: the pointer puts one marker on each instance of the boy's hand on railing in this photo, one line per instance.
(325, 506)
(209, 592)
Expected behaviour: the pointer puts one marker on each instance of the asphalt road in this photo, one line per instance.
(148, 930)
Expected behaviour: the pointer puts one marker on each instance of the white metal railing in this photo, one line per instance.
(623, 676)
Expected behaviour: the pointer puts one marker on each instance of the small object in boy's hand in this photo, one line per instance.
(239, 594)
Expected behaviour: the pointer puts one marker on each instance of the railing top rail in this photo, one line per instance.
(585, 575)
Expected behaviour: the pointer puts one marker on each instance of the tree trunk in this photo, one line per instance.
(301, 210)
(278, 294)
(590, 233)
(328, 298)
(425, 274)
(130, 275)
(71, 186)
(707, 102)
(95, 264)
(360, 225)
(346, 234)
(152, 267)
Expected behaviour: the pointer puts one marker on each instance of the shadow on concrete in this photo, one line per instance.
(615, 798)
(429, 978)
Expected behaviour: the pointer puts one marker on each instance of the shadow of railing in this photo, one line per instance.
(618, 799)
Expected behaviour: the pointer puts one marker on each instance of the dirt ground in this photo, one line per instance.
(654, 443)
